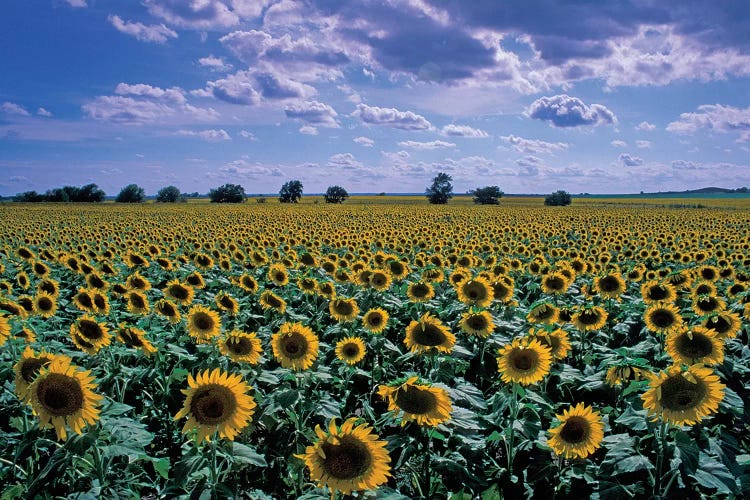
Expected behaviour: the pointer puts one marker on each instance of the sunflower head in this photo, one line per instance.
(424, 404)
(227, 303)
(88, 335)
(477, 323)
(343, 309)
(693, 345)
(708, 304)
(137, 302)
(295, 346)
(307, 285)
(182, 293)
(429, 334)
(27, 368)
(611, 285)
(248, 283)
(524, 361)
(375, 320)
(557, 340)
(725, 324)
(203, 324)
(242, 347)
(351, 350)
(545, 313)
(653, 291)
(420, 291)
(347, 458)
(380, 280)
(135, 338)
(269, 300)
(590, 318)
(278, 274)
(475, 292)
(662, 317)
(619, 375)
(45, 305)
(169, 310)
(216, 402)
(555, 283)
(579, 434)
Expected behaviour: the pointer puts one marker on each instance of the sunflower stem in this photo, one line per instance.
(661, 444)
(212, 463)
(426, 472)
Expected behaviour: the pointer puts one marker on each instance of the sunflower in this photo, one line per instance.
(343, 309)
(429, 334)
(203, 324)
(695, 345)
(62, 394)
(653, 291)
(683, 397)
(203, 261)
(347, 459)
(703, 288)
(375, 320)
(725, 324)
(610, 286)
(227, 303)
(182, 293)
(4, 330)
(241, 347)
(590, 318)
(27, 334)
(137, 282)
(618, 375)
(502, 289)
(525, 361)
(476, 292)
(424, 404)
(708, 304)
(194, 279)
(433, 275)
(545, 313)
(133, 259)
(380, 280)
(45, 305)
(555, 283)
(50, 286)
(135, 338)
(278, 274)
(101, 302)
(216, 402)
(137, 302)
(269, 300)
(248, 283)
(662, 317)
(88, 335)
(557, 341)
(477, 323)
(295, 346)
(421, 291)
(327, 289)
(169, 310)
(307, 285)
(398, 269)
(579, 434)
(351, 350)
(27, 368)
(83, 300)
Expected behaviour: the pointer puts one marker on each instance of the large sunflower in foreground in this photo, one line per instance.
(62, 394)
(295, 346)
(347, 459)
(203, 324)
(683, 397)
(27, 368)
(579, 434)
(525, 361)
(241, 347)
(351, 350)
(429, 334)
(424, 404)
(88, 335)
(216, 402)
(4, 330)
(662, 317)
(695, 345)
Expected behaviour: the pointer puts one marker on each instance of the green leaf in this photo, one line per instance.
(287, 398)
(15, 491)
(633, 420)
(162, 467)
(247, 455)
(686, 451)
(732, 403)
(632, 464)
(714, 475)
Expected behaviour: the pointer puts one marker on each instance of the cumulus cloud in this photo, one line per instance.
(343, 160)
(426, 145)
(252, 86)
(308, 130)
(566, 111)
(364, 141)
(714, 117)
(234, 89)
(77, 3)
(313, 112)
(684, 165)
(391, 117)
(244, 169)
(205, 14)
(43, 112)
(529, 161)
(12, 108)
(533, 145)
(157, 33)
(173, 94)
(248, 135)
(630, 161)
(214, 63)
(210, 135)
(463, 131)
(619, 144)
(643, 144)
(648, 127)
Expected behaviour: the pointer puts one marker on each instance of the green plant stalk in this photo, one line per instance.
(661, 444)
(426, 472)
(509, 447)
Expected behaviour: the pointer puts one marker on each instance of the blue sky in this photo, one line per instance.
(532, 96)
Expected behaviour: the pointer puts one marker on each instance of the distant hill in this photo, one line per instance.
(705, 190)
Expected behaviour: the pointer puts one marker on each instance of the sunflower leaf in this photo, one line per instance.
(714, 475)
(633, 420)
(247, 455)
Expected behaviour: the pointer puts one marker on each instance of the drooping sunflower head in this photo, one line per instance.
(50, 286)
(227, 303)
(295, 346)
(216, 402)
(269, 300)
(45, 305)
(343, 309)
(169, 310)
(579, 434)
(555, 283)
(278, 274)
(137, 302)
(248, 283)
(203, 324)
(347, 459)
(693, 345)
(623, 374)
(375, 320)
(424, 404)
(195, 280)
(351, 350)
(653, 291)
(62, 394)
(662, 317)
(135, 338)
(544, 312)
(524, 361)
(182, 293)
(429, 334)
(557, 340)
(683, 397)
(477, 323)
(590, 318)
(136, 281)
(708, 304)
(421, 291)
(83, 300)
(88, 335)
(327, 289)
(725, 324)
(307, 285)
(242, 347)
(611, 285)
(475, 292)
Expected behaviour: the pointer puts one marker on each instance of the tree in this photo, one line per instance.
(90, 193)
(488, 195)
(290, 192)
(228, 193)
(132, 193)
(169, 194)
(558, 199)
(29, 197)
(336, 194)
(441, 189)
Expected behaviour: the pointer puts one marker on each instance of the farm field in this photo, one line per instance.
(383, 348)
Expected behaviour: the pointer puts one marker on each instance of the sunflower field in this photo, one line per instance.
(374, 351)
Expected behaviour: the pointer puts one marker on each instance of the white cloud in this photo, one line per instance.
(308, 130)
(77, 3)
(244, 169)
(391, 117)
(248, 135)
(205, 14)
(313, 112)
(619, 144)
(463, 131)
(714, 117)
(643, 144)
(566, 111)
(630, 161)
(210, 135)
(648, 127)
(364, 141)
(12, 108)
(343, 160)
(214, 63)
(426, 145)
(43, 112)
(156, 33)
(533, 145)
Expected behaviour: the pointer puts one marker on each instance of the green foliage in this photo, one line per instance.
(336, 194)
(90, 193)
(168, 194)
(228, 193)
(132, 193)
(290, 192)
(558, 199)
(441, 189)
(488, 195)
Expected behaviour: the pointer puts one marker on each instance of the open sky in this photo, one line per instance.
(591, 96)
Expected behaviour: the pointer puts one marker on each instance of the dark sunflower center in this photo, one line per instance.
(227, 302)
(45, 304)
(703, 289)
(85, 300)
(131, 339)
(374, 319)
(213, 404)
(416, 401)
(574, 430)
(192, 280)
(420, 290)
(136, 301)
(609, 284)
(90, 329)
(523, 359)
(678, 393)
(203, 321)
(178, 292)
(167, 309)
(588, 317)
(475, 291)
(708, 304)
(240, 346)
(396, 268)
(48, 287)
(477, 322)
(343, 307)
(658, 292)
(294, 346)
(708, 274)
(695, 348)
(60, 395)
(719, 325)
(273, 301)
(544, 312)
(351, 350)
(138, 283)
(30, 368)
(663, 318)
(349, 459)
(500, 290)
(248, 283)
(428, 334)
(555, 283)
(736, 289)
(100, 302)
(378, 279)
